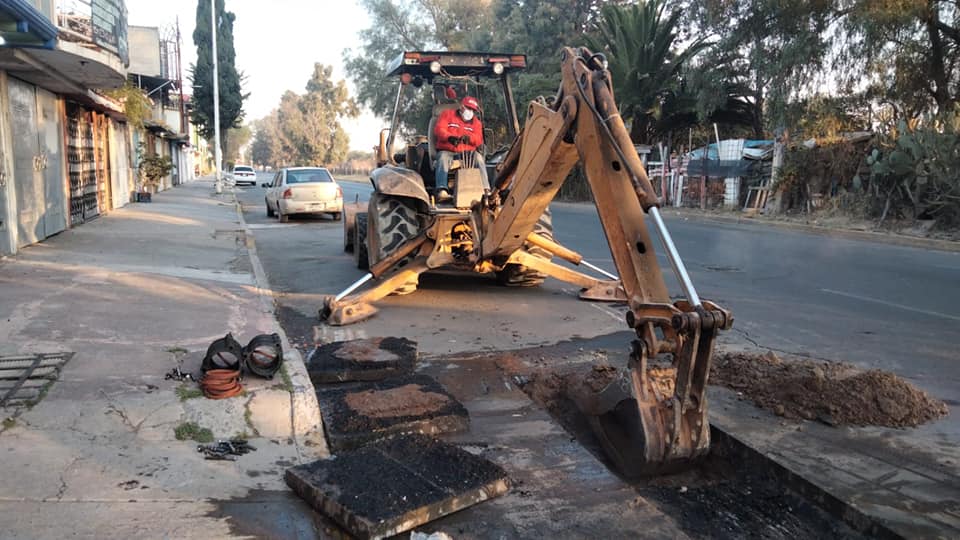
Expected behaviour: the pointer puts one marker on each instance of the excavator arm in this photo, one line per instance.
(652, 420)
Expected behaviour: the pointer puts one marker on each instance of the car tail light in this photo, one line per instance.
(288, 193)
(339, 192)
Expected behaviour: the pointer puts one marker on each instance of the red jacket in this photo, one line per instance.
(450, 124)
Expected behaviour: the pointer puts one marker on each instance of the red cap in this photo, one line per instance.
(471, 102)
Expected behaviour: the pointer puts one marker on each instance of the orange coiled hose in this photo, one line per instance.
(221, 383)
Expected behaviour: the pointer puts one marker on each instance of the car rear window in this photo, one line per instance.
(308, 176)
(243, 169)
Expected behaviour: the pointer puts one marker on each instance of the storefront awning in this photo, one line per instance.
(21, 25)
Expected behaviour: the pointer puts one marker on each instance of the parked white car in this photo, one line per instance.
(244, 174)
(303, 190)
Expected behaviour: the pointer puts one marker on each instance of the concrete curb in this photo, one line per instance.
(884, 238)
(305, 419)
(844, 510)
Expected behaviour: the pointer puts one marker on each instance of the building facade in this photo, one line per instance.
(67, 152)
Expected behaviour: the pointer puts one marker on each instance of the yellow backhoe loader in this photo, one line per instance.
(647, 426)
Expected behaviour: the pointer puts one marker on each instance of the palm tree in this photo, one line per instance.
(639, 42)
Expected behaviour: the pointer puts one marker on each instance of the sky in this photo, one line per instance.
(277, 42)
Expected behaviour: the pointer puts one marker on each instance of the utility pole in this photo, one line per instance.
(218, 183)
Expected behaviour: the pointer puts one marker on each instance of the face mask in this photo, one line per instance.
(468, 115)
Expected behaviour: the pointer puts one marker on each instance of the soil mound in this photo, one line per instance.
(834, 393)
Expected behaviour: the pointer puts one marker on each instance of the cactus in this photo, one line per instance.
(916, 173)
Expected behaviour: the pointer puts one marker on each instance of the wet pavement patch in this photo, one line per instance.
(396, 484)
(362, 360)
(272, 515)
(356, 413)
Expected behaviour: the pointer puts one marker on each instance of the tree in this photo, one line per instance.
(201, 74)
(236, 138)
(305, 129)
(909, 48)
(270, 145)
(541, 29)
(766, 53)
(322, 107)
(640, 42)
(394, 28)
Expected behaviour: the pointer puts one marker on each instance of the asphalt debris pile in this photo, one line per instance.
(834, 393)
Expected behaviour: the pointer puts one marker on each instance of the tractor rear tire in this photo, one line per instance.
(517, 275)
(394, 220)
(360, 242)
(349, 224)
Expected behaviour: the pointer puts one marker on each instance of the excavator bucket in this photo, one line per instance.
(652, 420)
(636, 434)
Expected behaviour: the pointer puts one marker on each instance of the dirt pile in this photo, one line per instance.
(835, 393)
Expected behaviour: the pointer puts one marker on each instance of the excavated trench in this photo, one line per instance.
(734, 493)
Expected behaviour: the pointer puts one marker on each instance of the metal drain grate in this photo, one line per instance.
(25, 378)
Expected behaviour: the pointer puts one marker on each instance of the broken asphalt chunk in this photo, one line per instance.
(396, 484)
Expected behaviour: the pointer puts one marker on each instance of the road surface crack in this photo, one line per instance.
(746, 335)
(119, 411)
(63, 482)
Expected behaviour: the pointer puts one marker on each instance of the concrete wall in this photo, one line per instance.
(8, 195)
(47, 8)
(121, 180)
(171, 117)
(144, 50)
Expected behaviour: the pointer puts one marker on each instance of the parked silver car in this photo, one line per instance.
(303, 190)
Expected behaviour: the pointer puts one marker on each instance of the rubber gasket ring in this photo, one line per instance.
(216, 350)
(266, 369)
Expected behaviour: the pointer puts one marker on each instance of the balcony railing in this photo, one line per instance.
(100, 22)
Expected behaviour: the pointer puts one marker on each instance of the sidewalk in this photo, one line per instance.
(783, 222)
(131, 295)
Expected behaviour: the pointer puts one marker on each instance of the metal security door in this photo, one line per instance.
(27, 163)
(50, 138)
(101, 161)
(82, 157)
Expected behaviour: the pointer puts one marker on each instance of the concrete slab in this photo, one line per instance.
(370, 359)
(418, 478)
(356, 413)
(270, 413)
(560, 490)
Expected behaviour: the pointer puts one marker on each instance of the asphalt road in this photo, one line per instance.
(873, 304)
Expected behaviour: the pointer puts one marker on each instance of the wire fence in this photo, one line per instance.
(350, 171)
